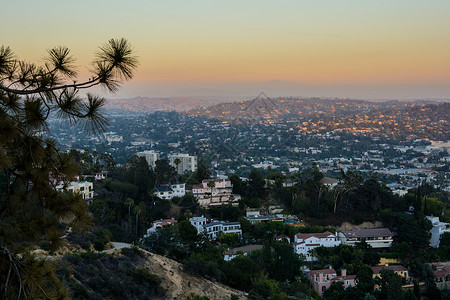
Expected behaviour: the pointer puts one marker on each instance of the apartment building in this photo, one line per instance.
(150, 156)
(183, 162)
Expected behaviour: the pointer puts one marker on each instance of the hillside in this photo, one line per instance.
(263, 107)
(179, 284)
(382, 119)
(120, 275)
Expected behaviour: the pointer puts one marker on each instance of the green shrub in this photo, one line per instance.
(142, 275)
(78, 290)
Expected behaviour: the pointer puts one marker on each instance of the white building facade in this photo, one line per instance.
(439, 228)
(170, 191)
(214, 228)
(304, 242)
(375, 237)
(186, 162)
(150, 156)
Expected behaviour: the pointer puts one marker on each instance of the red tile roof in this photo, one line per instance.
(324, 271)
(347, 277)
(319, 235)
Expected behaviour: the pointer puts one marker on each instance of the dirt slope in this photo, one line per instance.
(178, 284)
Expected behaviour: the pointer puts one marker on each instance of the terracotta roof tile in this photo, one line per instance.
(319, 235)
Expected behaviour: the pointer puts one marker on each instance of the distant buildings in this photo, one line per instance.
(183, 163)
(150, 156)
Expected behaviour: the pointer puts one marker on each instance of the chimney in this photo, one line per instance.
(320, 277)
(343, 272)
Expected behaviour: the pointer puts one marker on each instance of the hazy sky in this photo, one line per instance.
(356, 48)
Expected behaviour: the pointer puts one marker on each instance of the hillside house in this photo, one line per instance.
(170, 191)
(398, 269)
(442, 275)
(244, 250)
(215, 227)
(304, 242)
(84, 188)
(159, 224)
(321, 280)
(378, 238)
(220, 194)
(439, 228)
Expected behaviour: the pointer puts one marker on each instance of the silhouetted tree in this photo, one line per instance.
(31, 209)
(202, 172)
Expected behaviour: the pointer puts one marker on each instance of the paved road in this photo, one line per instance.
(118, 245)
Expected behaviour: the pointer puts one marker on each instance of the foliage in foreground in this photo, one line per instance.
(102, 276)
(31, 209)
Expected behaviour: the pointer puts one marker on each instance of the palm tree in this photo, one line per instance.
(212, 185)
(129, 202)
(177, 161)
(137, 210)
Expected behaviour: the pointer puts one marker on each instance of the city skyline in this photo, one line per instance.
(322, 48)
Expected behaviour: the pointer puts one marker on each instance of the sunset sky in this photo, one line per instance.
(357, 48)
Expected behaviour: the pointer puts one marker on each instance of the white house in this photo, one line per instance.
(439, 228)
(100, 176)
(168, 192)
(179, 189)
(244, 250)
(198, 223)
(159, 224)
(164, 192)
(375, 237)
(212, 229)
(304, 242)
